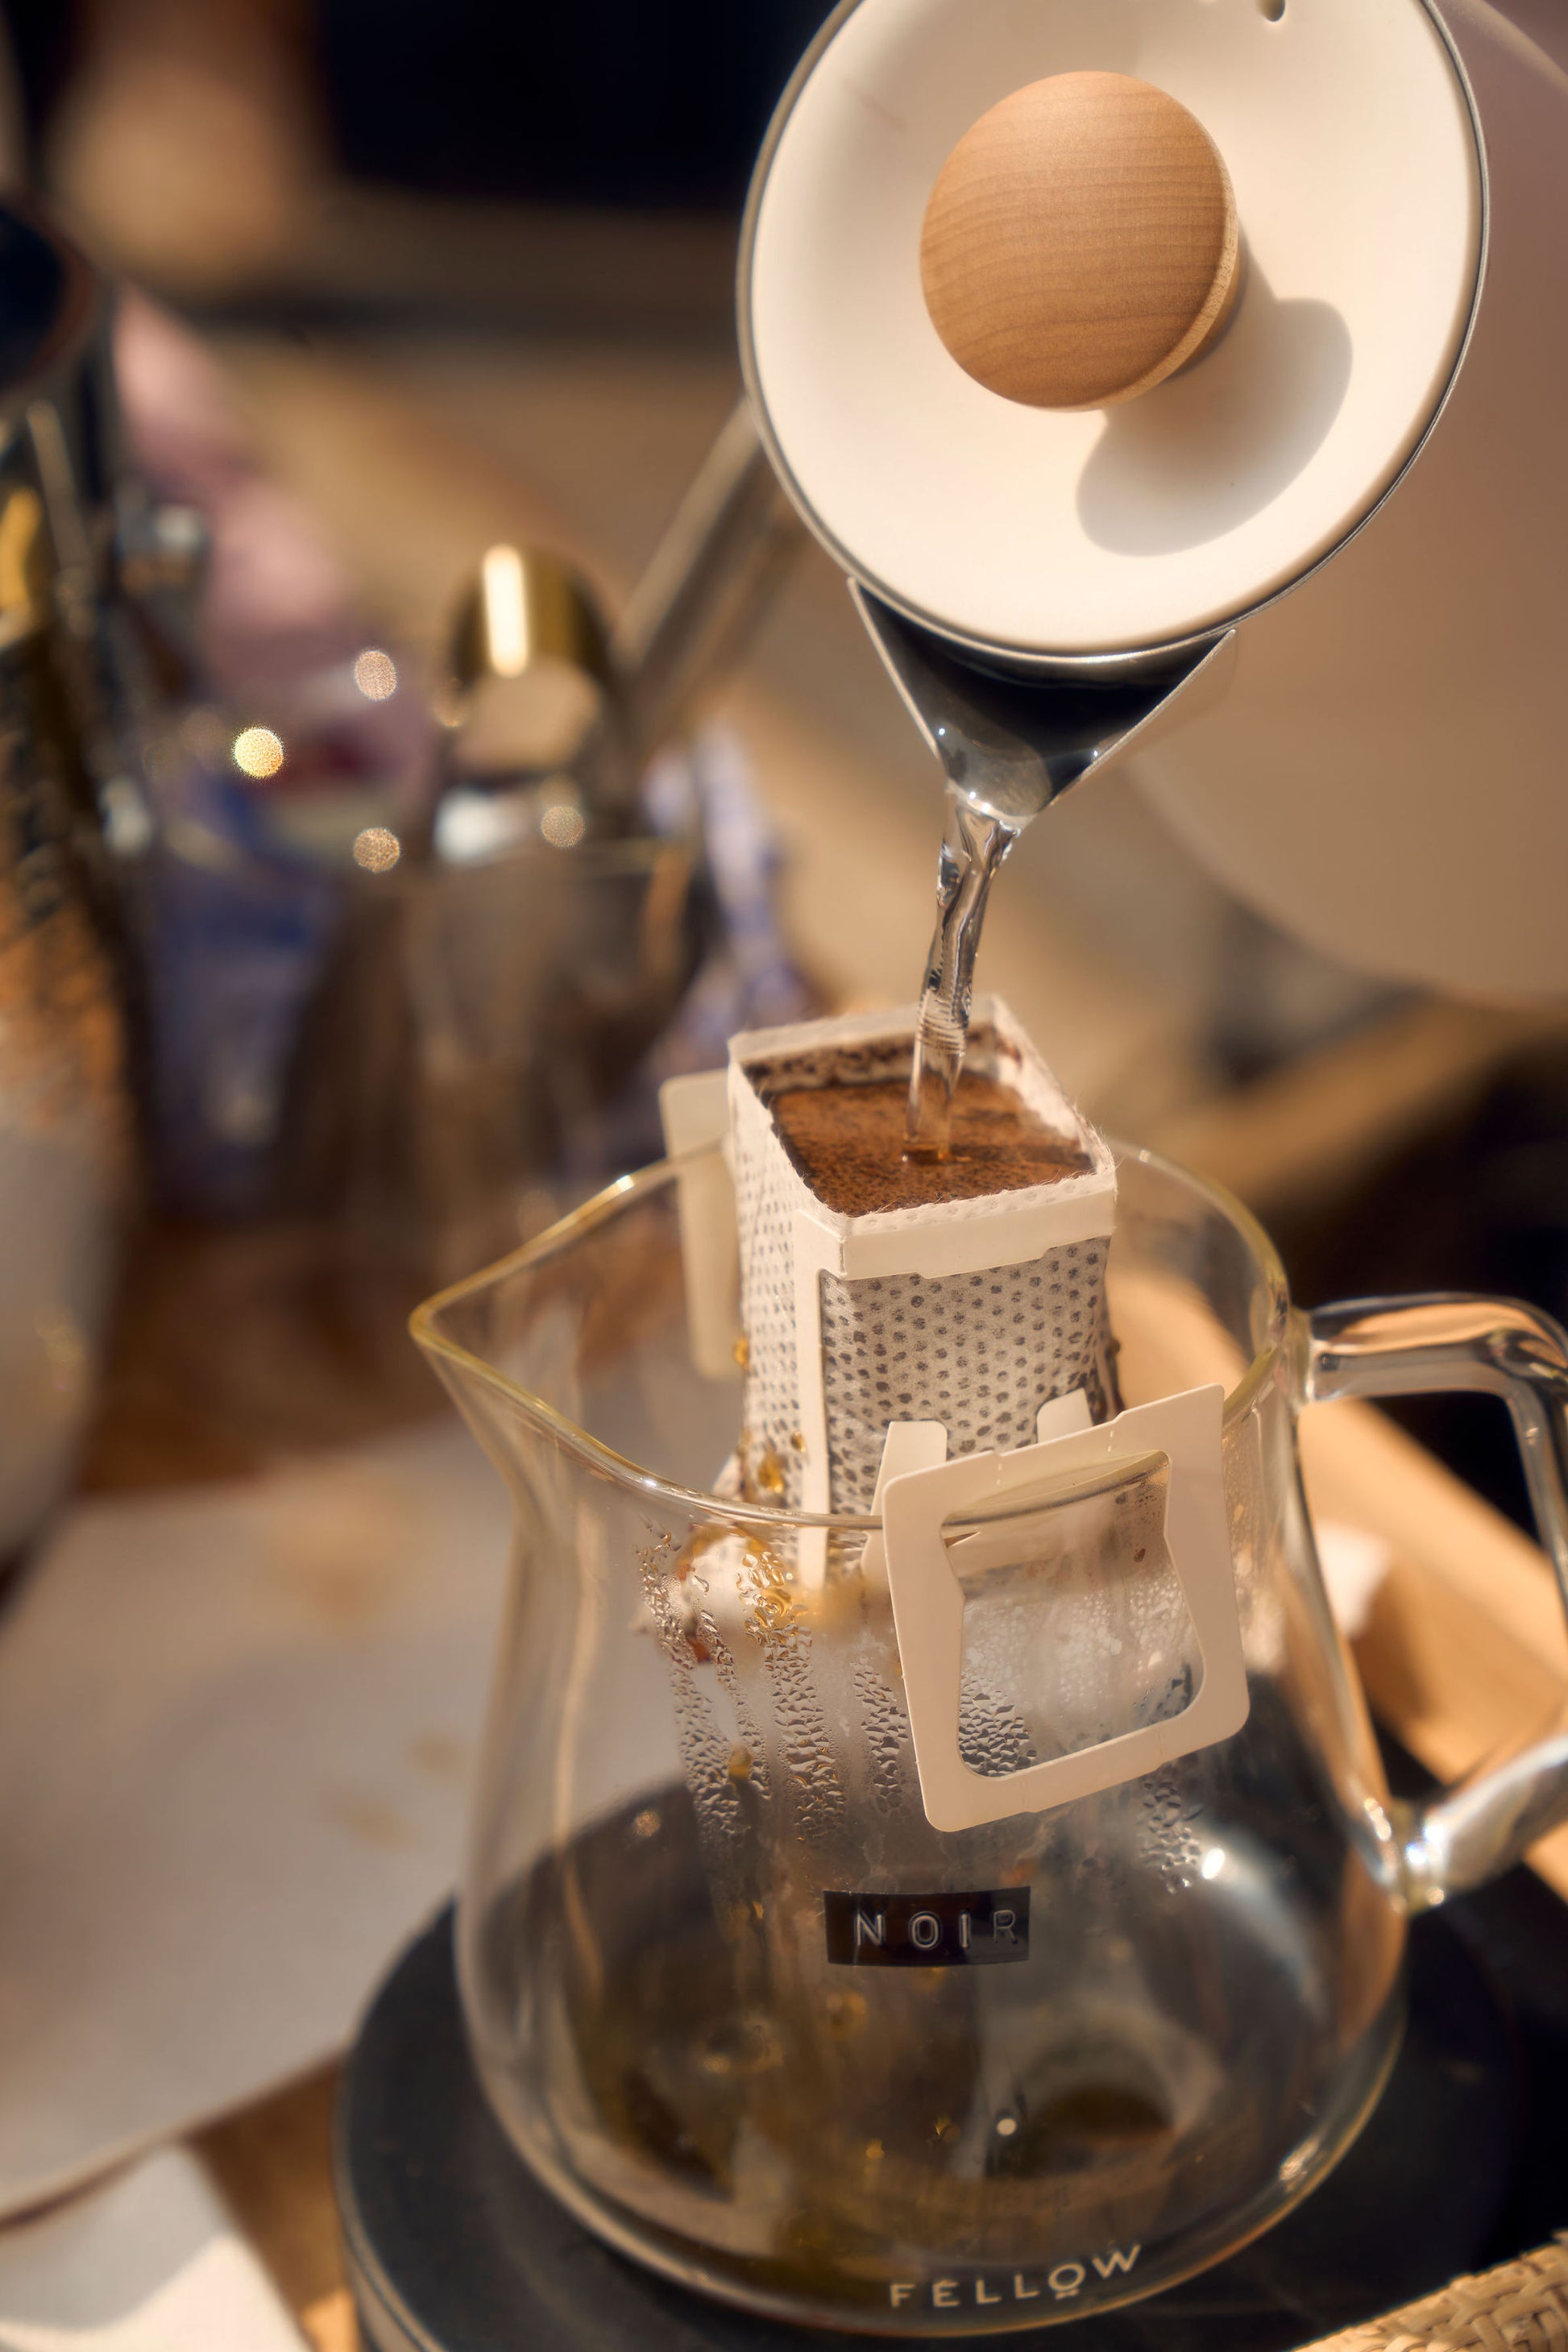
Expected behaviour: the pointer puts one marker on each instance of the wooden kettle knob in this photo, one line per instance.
(1080, 242)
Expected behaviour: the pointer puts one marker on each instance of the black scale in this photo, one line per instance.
(453, 2247)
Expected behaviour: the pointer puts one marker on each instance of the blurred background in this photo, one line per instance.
(422, 281)
(403, 768)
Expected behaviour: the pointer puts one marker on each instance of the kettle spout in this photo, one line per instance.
(1012, 743)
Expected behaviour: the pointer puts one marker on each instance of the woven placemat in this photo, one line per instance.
(1520, 2306)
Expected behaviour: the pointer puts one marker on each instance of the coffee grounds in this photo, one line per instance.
(847, 1142)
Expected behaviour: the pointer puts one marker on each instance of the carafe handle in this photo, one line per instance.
(1411, 1347)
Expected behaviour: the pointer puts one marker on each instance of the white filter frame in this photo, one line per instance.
(694, 1110)
(927, 1603)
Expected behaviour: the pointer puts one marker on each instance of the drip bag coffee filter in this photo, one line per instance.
(969, 1314)
(935, 1361)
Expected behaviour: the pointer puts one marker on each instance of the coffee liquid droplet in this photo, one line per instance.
(973, 846)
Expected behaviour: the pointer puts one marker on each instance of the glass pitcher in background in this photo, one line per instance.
(740, 2006)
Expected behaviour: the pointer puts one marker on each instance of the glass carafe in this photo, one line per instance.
(740, 2006)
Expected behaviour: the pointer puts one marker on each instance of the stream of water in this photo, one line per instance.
(974, 847)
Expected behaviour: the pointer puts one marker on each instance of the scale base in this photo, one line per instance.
(453, 2246)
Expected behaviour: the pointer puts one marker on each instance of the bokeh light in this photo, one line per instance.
(563, 826)
(258, 751)
(375, 675)
(505, 593)
(376, 849)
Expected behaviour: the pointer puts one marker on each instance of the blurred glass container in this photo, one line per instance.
(473, 1019)
(401, 977)
(235, 922)
(501, 968)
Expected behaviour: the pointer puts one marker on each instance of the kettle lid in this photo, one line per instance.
(1347, 134)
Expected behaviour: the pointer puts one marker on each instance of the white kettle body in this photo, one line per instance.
(1387, 775)
(1356, 506)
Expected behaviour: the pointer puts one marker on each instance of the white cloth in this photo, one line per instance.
(150, 2262)
(235, 1726)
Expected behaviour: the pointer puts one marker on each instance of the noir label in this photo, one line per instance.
(926, 1931)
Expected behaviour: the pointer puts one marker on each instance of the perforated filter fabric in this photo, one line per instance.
(978, 1351)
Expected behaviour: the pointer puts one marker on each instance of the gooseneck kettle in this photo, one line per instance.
(1312, 575)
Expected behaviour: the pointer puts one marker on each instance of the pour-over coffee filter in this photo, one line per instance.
(960, 1315)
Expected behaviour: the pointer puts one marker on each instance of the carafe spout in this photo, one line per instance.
(1011, 744)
